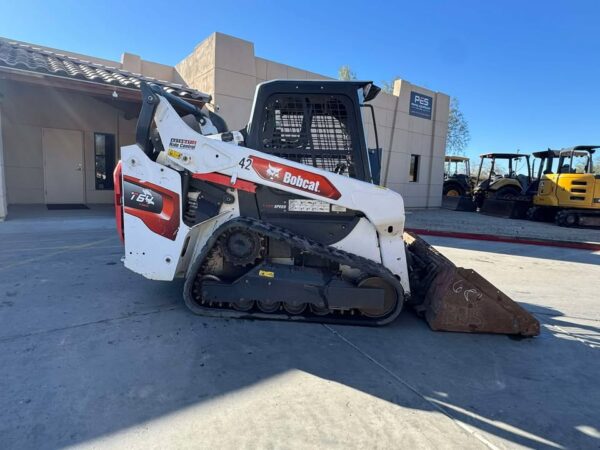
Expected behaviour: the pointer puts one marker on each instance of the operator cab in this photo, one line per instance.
(296, 120)
(577, 159)
(508, 176)
(456, 165)
(457, 176)
(320, 124)
(505, 165)
(545, 162)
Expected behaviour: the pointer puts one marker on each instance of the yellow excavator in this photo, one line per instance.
(572, 193)
(545, 162)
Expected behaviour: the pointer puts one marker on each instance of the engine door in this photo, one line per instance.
(575, 190)
(546, 194)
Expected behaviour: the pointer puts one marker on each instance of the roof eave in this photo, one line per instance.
(81, 85)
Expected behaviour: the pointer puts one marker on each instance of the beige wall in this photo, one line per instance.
(27, 109)
(407, 135)
(227, 68)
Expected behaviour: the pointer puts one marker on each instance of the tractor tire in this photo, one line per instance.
(453, 190)
(507, 193)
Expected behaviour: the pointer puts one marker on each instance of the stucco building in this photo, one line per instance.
(63, 117)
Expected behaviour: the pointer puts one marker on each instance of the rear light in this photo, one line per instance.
(118, 183)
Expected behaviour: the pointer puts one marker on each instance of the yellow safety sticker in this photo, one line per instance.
(174, 153)
(266, 273)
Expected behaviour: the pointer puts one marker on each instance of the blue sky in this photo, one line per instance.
(526, 72)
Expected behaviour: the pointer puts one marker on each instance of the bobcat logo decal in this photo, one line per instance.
(300, 179)
(273, 172)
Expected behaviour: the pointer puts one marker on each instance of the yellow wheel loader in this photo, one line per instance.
(572, 192)
(284, 219)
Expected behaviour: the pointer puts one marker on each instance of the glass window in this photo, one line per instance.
(413, 174)
(104, 154)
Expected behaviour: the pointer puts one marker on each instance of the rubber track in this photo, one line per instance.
(561, 216)
(324, 251)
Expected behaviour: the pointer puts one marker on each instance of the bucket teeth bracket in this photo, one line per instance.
(458, 299)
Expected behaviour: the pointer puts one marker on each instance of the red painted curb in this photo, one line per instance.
(594, 246)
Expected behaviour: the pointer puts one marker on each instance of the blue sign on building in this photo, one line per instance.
(420, 105)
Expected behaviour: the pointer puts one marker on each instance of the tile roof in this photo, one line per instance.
(21, 56)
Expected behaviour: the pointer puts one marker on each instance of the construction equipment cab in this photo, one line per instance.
(457, 176)
(572, 190)
(508, 176)
(545, 162)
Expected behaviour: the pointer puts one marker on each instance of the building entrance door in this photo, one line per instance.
(63, 166)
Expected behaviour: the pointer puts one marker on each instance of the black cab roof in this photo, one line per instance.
(370, 90)
(455, 158)
(587, 148)
(546, 153)
(504, 155)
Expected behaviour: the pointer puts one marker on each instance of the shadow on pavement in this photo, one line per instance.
(584, 329)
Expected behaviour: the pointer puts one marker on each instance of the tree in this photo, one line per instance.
(579, 165)
(458, 136)
(388, 86)
(345, 73)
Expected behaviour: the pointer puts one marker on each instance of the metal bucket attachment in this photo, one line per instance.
(457, 299)
(461, 203)
(510, 209)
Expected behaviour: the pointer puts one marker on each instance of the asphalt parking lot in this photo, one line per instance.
(93, 355)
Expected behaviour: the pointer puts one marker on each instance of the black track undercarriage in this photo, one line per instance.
(240, 274)
(577, 217)
(565, 217)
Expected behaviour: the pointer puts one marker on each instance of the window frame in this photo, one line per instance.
(110, 161)
(413, 168)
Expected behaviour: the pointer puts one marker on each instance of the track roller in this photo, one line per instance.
(294, 309)
(268, 307)
(390, 296)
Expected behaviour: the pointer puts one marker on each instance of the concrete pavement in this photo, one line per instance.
(95, 356)
(471, 222)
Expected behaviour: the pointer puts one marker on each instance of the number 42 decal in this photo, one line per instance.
(245, 163)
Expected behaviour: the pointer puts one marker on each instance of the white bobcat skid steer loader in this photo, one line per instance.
(285, 219)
